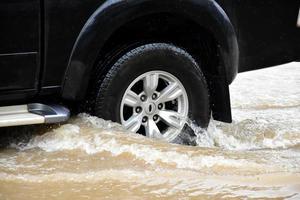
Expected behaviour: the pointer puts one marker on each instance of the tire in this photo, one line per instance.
(157, 57)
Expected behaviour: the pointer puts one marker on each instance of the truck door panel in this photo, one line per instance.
(19, 45)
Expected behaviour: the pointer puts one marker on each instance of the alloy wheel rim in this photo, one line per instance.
(155, 104)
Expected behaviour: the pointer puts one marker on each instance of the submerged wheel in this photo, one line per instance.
(152, 90)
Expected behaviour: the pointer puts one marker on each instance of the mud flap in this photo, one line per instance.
(220, 98)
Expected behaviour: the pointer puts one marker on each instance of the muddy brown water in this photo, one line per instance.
(255, 157)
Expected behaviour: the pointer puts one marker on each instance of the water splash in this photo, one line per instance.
(247, 134)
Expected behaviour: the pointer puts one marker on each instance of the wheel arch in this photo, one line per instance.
(113, 14)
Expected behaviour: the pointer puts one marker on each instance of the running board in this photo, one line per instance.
(34, 113)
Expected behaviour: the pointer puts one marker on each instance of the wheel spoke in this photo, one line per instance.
(170, 93)
(152, 130)
(171, 118)
(134, 123)
(131, 99)
(150, 84)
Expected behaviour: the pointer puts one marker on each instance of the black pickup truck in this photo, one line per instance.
(147, 64)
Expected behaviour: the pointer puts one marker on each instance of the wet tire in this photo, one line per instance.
(154, 57)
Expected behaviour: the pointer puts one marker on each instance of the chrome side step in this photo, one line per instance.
(298, 21)
(34, 113)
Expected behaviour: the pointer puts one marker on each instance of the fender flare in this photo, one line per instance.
(114, 13)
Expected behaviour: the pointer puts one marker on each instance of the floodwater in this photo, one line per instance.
(256, 157)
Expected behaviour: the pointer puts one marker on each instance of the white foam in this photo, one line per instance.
(71, 136)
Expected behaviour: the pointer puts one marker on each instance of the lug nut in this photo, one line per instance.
(145, 119)
(143, 98)
(155, 117)
(138, 109)
(154, 96)
(160, 106)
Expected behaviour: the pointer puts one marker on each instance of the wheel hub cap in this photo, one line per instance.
(155, 104)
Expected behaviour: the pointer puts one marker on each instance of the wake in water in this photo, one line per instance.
(259, 129)
(96, 136)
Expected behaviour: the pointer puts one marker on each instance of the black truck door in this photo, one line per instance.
(19, 47)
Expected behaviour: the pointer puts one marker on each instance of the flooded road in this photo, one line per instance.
(256, 157)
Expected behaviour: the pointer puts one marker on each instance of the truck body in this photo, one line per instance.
(49, 49)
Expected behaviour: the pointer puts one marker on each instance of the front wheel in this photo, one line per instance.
(153, 90)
